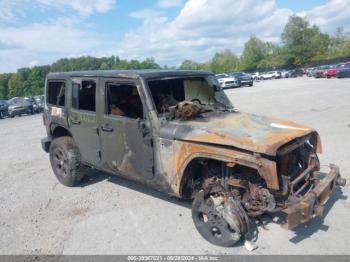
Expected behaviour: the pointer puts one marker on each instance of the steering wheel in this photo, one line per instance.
(196, 100)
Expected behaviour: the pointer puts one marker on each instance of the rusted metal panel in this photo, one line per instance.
(240, 130)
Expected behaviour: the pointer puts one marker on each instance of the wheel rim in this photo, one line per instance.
(60, 162)
(210, 224)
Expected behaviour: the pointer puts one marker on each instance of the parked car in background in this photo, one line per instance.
(308, 70)
(270, 75)
(312, 72)
(3, 109)
(255, 76)
(334, 70)
(40, 101)
(227, 81)
(344, 71)
(243, 78)
(296, 72)
(285, 73)
(321, 70)
(276, 74)
(19, 106)
(36, 107)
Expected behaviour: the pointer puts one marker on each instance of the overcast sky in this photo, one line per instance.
(37, 32)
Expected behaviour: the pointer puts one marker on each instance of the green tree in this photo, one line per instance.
(34, 84)
(105, 66)
(255, 51)
(4, 79)
(302, 42)
(339, 44)
(149, 63)
(223, 62)
(15, 85)
(189, 65)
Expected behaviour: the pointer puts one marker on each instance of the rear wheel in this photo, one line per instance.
(66, 161)
(2, 115)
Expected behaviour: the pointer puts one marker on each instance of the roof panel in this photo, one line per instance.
(149, 73)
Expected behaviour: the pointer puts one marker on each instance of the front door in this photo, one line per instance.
(126, 139)
(82, 119)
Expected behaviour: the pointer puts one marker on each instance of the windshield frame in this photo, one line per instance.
(207, 77)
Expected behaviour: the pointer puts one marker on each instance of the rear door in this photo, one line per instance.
(82, 119)
(126, 139)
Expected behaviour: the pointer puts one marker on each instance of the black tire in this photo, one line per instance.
(66, 161)
(2, 115)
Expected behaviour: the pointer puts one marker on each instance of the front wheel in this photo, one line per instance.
(218, 218)
(66, 161)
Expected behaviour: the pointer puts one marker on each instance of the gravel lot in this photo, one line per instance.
(108, 215)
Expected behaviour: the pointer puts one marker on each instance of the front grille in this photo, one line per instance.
(295, 164)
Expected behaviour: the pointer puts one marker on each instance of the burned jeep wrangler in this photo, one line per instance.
(177, 131)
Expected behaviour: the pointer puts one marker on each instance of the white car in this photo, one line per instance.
(256, 76)
(270, 75)
(227, 81)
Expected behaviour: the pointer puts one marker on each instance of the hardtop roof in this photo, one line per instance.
(146, 73)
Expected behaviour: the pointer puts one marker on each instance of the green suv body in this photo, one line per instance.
(177, 131)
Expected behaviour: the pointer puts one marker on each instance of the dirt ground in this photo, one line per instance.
(109, 215)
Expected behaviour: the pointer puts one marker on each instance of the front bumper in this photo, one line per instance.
(246, 82)
(312, 203)
(18, 111)
(230, 85)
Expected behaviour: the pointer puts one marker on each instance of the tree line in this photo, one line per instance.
(301, 43)
(31, 81)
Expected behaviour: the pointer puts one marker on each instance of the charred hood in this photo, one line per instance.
(239, 130)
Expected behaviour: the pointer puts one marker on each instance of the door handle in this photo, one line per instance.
(75, 121)
(107, 129)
